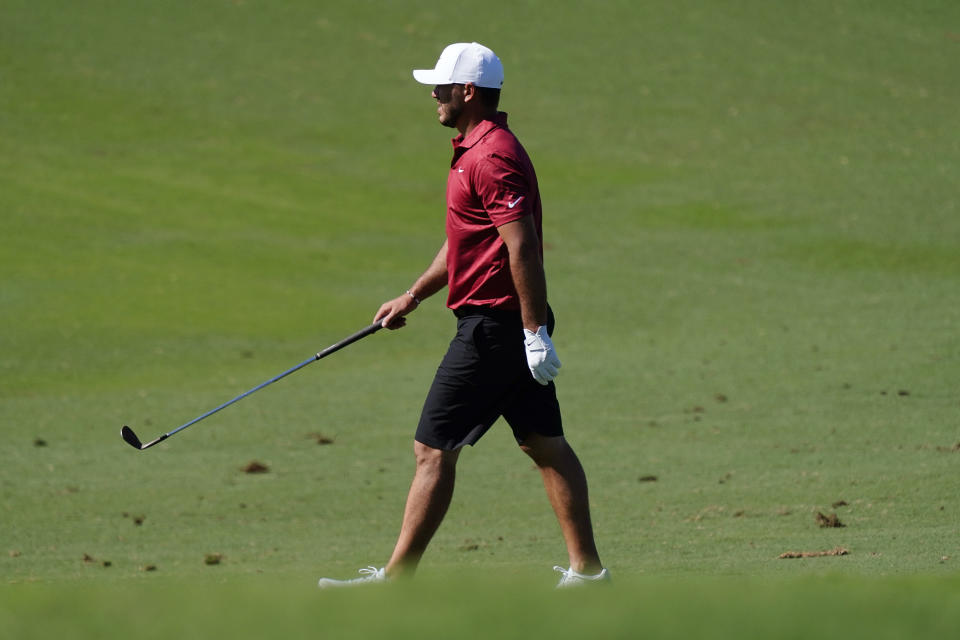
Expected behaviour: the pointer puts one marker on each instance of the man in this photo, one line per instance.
(502, 360)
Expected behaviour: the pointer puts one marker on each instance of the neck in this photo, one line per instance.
(469, 120)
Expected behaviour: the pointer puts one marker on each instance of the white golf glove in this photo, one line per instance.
(541, 357)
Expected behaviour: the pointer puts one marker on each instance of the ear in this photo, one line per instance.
(469, 92)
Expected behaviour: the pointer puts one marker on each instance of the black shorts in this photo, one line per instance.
(483, 376)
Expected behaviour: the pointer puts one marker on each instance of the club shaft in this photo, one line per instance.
(322, 354)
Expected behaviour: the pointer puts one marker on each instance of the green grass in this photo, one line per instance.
(479, 607)
(752, 239)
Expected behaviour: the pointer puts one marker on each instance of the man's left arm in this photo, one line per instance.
(526, 269)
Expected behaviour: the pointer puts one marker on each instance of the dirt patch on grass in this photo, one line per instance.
(255, 467)
(836, 551)
(137, 520)
(826, 522)
(469, 545)
(89, 559)
(321, 439)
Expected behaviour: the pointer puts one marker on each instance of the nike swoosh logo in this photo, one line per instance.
(515, 202)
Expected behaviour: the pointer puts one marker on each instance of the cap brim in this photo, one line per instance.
(429, 76)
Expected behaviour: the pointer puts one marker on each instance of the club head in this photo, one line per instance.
(130, 437)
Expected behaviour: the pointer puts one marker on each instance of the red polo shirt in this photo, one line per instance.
(491, 183)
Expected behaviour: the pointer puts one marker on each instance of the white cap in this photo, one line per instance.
(462, 63)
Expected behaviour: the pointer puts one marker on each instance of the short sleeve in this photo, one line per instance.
(503, 189)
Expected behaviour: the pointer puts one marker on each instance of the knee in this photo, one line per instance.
(429, 458)
(543, 450)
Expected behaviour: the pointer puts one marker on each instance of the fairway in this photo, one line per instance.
(480, 607)
(752, 242)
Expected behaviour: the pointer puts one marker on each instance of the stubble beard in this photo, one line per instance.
(450, 116)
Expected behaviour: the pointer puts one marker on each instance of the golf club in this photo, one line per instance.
(131, 438)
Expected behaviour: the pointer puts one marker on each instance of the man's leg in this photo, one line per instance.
(427, 502)
(566, 486)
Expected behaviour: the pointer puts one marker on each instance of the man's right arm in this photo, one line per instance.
(392, 314)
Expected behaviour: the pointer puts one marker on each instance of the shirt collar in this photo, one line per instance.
(479, 131)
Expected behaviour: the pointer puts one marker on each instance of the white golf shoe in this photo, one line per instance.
(571, 578)
(370, 575)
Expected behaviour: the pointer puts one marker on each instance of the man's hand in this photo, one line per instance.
(392, 314)
(541, 357)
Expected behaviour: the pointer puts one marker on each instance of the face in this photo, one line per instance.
(450, 103)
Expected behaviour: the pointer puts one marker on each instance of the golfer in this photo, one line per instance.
(502, 361)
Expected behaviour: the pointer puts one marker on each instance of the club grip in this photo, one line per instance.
(363, 333)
